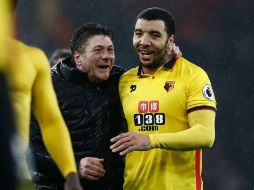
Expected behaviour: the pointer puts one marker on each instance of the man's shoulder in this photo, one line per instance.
(129, 76)
(189, 72)
(27, 54)
(25, 48)
(188, 66)
(131, 72)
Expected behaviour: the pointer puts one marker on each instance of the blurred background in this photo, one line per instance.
(217, 35)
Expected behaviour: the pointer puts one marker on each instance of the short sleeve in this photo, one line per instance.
(200, 93)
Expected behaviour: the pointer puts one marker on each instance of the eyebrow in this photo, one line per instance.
(101, 47)
(137, 30)
(152, 31)
(155, 32)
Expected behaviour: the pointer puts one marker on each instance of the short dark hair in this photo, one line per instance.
(83, 33)
(157, 13)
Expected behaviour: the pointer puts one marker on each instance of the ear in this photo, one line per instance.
(171, 41)
(77, 58)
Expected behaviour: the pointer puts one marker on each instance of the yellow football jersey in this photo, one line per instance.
(5, 31)
(159, 103)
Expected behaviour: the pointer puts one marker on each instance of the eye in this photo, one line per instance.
(111, 50)
(155, 35)
(97, 50)
(138, 34)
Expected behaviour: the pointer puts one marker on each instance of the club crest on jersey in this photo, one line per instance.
(169, 85)
(208, 92)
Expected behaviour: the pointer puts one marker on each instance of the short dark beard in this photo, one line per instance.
(154, 65)
(158, 63)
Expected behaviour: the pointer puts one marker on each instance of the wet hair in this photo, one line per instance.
(156, 13)
(83, 33)
(58, 55)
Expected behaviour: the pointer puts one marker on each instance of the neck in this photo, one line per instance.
(152, 70)
(149, 71)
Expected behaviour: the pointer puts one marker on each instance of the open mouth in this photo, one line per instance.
(103, 66)
(143, 52)
(145, 55)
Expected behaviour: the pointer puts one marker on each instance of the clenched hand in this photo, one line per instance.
(91, 168)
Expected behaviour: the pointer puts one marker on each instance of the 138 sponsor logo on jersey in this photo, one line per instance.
(149, 118)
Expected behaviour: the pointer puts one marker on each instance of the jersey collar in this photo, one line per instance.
(166, 66)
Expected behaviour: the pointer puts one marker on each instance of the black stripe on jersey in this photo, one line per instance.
(201, 108)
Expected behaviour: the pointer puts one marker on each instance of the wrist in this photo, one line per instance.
(154, 141)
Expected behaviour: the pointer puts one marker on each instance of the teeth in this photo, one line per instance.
(145, 52)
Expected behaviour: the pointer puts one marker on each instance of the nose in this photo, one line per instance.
(145, 40)
(107, 54)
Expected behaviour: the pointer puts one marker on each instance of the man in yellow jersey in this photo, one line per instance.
(28, 75)
(170, 110)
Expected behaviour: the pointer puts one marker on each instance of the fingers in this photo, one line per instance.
(175, 51)
(123, 147)
(91, 168)
(120, 143)
(91, 174)
(124, 143)
(129, 148)
(131, 141)
(118, 137)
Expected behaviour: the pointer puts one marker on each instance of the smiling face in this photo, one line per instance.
(151, 43)
(97, 59)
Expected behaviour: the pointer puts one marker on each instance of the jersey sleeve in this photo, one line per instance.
(5, 32)
(201, 133)
(44, 104)
(200, 94)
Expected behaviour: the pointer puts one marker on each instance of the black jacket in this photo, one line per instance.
(92, 114)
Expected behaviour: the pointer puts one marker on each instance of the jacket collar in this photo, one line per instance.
(68, 71)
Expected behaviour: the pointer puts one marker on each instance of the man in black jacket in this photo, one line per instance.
(86, 86)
